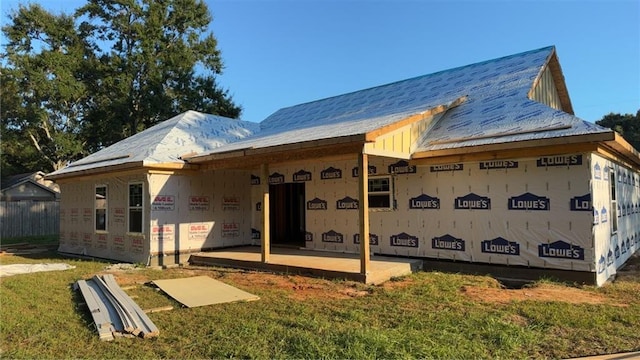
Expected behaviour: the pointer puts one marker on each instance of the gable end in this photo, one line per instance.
(549, 86)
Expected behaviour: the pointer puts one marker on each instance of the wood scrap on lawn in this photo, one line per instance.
(114, 313)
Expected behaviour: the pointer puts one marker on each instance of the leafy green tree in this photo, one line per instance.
(627, 125)
(43, 93)
(73, 84)
(159, 61)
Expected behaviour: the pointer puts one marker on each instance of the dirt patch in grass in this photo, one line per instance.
(294, 286)
(541, 292)
(300, 287)
(630, 272)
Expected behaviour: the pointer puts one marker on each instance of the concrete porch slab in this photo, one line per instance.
(332, 265)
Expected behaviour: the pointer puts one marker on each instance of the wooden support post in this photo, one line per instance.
(363, 208)
(265, 245)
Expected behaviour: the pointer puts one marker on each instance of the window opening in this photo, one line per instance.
(380, 192)
(135, 208)
(613, 214)
(101, 208)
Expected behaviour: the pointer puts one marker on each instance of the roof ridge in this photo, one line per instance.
(186, 115)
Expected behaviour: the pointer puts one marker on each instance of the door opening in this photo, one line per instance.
(287, 214)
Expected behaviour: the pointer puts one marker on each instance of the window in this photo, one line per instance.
(135, 208)
(613, 214)
(101, 208)
(380, 192)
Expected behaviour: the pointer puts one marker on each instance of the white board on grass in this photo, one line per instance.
(202, 291)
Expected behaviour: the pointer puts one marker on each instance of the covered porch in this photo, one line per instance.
(325, 264)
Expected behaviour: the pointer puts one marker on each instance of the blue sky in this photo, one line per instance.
(282, 53)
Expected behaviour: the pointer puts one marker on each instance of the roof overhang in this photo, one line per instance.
(251, 157)
(622, 150)
(524, 148)
(610, 144)
(119, 168)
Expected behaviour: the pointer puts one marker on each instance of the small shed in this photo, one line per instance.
(484, 164)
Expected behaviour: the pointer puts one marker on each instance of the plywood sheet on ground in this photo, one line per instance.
(201, 291)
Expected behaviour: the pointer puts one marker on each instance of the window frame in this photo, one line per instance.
(613, 196)
(105, 208)
(136, 207)
(389, 193)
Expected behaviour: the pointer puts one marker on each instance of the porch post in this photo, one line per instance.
(363, 208)
(265, 245)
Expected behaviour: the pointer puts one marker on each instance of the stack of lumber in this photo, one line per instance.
(25, 248)
(114, 312)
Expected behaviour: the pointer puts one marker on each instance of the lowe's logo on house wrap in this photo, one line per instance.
(601, 265)
(447, 242)
(581, 203)
(276, 178)
(529, 201)
(597, 172)
(373, 239)
(255, 234)
(308, 236)
(424, 201)
(500, 246)
(603, 215)
(347, 203)
(446, 167)
(596, 217)
(330, 173)
(609, 257)
(561, 250)
(560, 160)
(404, 239)
(402, 167)
(317, 204)
(472, 202)
(332, 236)
(255, 180)
(302, 175)
(371, 170)
(498, 164)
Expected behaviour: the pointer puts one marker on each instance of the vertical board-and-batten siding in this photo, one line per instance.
(29, 218)
(545, 91)
(401, 142)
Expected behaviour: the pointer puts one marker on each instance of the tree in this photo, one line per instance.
(148, 71)
(43, 95)
(73, 84)
(626, 125)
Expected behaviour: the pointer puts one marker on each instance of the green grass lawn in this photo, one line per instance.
(424, 315)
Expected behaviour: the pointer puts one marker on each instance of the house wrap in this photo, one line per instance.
(481, 164)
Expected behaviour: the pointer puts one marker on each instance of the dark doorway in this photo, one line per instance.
(286, 208)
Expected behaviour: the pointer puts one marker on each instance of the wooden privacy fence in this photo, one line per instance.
(29, 218)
